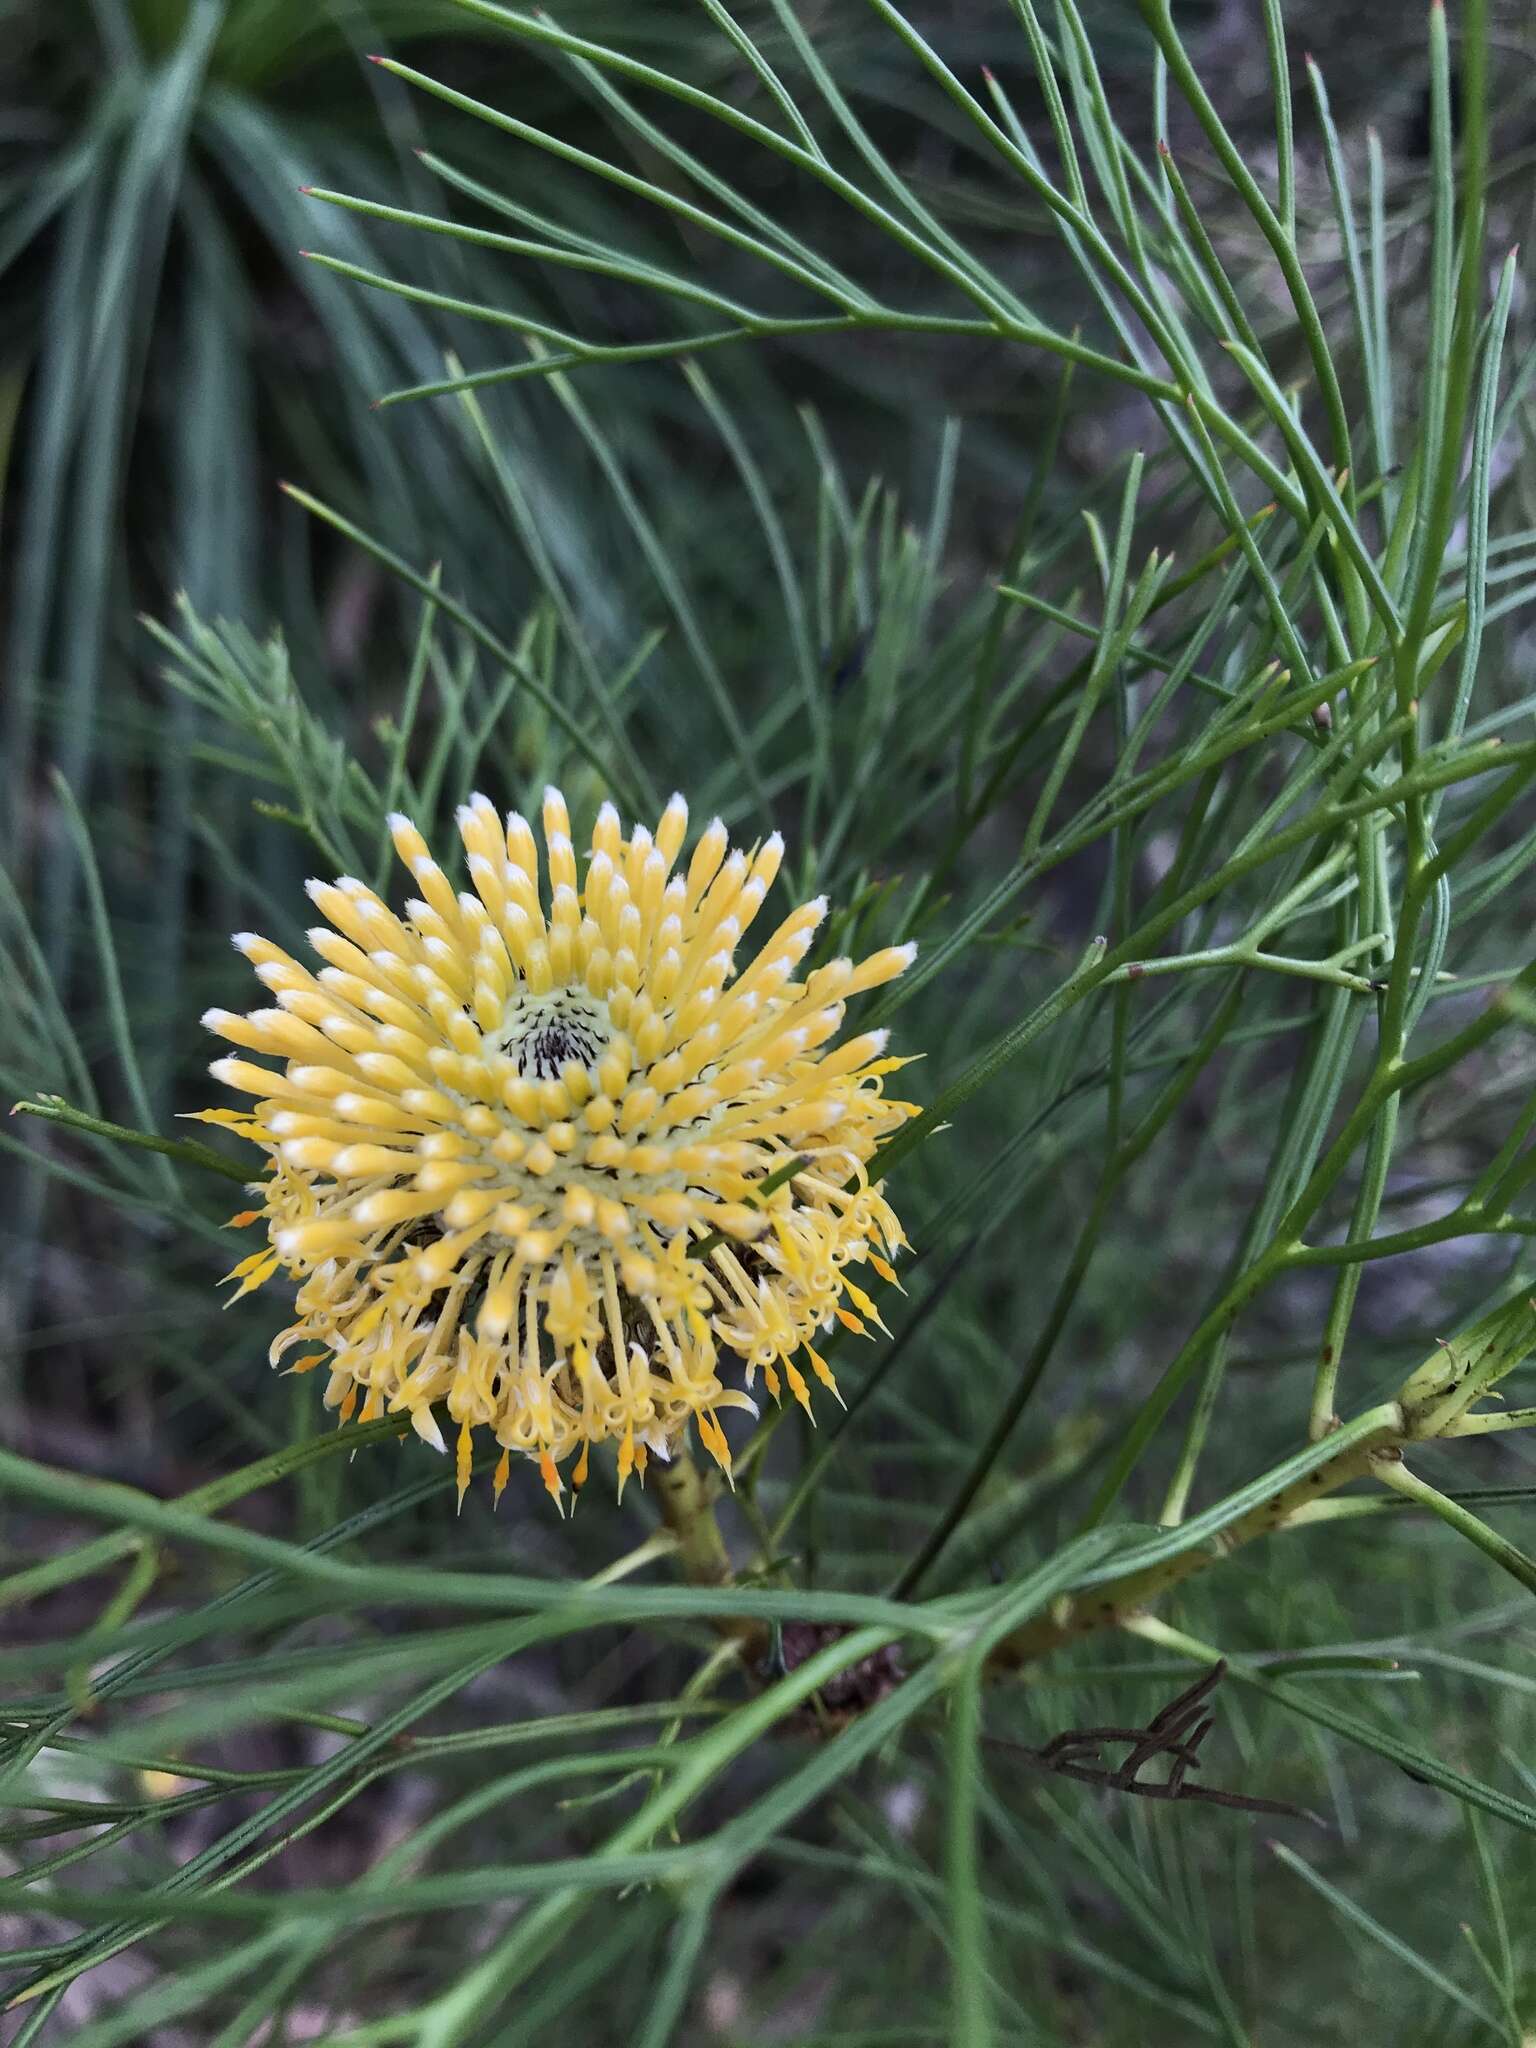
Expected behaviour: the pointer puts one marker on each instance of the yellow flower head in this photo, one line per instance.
(540, 1154)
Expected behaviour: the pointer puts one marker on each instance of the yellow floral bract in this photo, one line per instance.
(519, 1137)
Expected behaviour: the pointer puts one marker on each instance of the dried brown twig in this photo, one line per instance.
(1176, 1732)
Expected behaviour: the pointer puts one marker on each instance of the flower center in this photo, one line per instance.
(544, 1033)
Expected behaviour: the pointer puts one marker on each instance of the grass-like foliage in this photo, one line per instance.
(1206, 788)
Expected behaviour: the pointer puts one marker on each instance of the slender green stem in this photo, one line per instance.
(1506, 1555)
(631, 791)
(54, 1110)
(1159, 18)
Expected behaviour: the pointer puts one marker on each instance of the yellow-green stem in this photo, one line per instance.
(686, 1497)
(1117, 1600)
(1434, 1402)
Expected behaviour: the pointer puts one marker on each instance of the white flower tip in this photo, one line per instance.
(314, 888)
(774, 843)
(908, 953)
(245, 942)
(397, 821)
(880, 1040)
(425, 1424)
(287, 1242)
(221, 1069)
(819, 905)
(479, 801)
(215, 1020)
